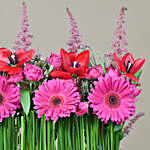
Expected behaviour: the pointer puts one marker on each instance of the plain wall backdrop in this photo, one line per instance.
(96, 19)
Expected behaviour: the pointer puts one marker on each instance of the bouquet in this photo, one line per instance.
(68, 101)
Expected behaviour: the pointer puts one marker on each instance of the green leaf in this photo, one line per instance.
(25, 100)
(103, 67)
(138, 74)
(117, 127)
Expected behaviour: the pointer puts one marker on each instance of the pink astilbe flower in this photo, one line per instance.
(56, 98)
(75, 39)
(9, 98)
(113, 98)
(120, 43)
(126, 129)
(15, 78)
(54, 60)
(81, 108)
(32, 72)
(24, 36)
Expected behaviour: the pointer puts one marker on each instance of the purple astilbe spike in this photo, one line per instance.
(120, 43)
(24, 36)
(126, 129)
(75, 39)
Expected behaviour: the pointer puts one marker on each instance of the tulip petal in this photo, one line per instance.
(4, 66)
(60, 74)
(137, 65)
(117, 61)
(131, 76)
(20, 53)
(14, 70)
(4, 53)
(83, 60)
(26, 57)
(66, 59)
(125, 60)
(72, 56)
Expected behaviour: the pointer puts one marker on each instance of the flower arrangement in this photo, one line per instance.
(67, 101)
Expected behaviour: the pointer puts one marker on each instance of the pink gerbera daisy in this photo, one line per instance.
(9, 98)
(56, 98)
(113, 97)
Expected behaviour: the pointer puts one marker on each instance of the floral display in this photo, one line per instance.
(65, 101)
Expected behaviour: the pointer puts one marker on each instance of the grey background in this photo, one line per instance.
(97, 22)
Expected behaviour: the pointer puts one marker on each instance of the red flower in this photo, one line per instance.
(11, 62)
(128, 65)
(72, 64)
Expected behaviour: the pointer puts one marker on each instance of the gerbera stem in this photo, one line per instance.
(112, 135)
(33, 130)
(1, 136)
(102, 135)
(5, 135)
(87, 132)
(22, 132)
(48, 135)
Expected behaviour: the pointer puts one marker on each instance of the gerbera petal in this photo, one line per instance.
(116, 102)
(10, 98)
(137, 65)
(25, 57)
(59, 103)
(60, 74)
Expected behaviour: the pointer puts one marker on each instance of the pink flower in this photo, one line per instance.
(9, 98)
(56, 98)
(81, 108)
(54, 60)
(14, 78)
(94, 72)
(32, 72)
(113, 98)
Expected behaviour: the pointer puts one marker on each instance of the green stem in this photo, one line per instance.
(48, 134)
(112, 135)
(5, 135)
(102, 135)
(22, 132)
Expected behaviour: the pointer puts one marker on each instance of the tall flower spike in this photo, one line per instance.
(120, 43)
(24, 36)
(75, 39)
(126, 129)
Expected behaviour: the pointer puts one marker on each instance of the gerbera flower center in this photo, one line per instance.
(56, 101)
(13, 59)
(128, 66)
(112, 99)
(1, 99)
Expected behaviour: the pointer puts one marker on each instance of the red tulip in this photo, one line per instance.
(128, 65)
(72, 64)
(11, 62)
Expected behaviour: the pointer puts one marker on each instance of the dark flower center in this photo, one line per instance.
(128, 66)
(13, 59)
(56, 101)
(113, 100)
(1, 99)
(75, 64)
